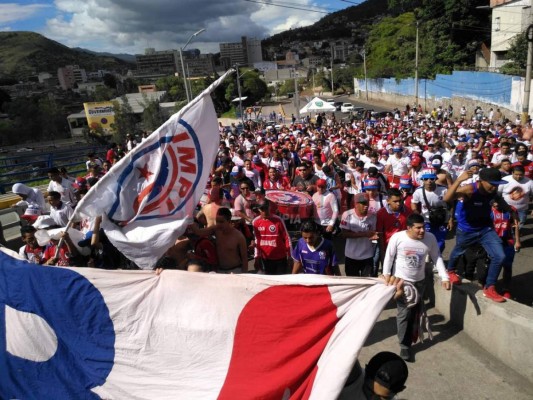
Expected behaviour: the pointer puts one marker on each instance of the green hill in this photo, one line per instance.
(27, 53)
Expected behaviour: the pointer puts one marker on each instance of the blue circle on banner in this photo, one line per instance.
(77, 313)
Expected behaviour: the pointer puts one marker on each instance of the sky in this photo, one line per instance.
(131, 26)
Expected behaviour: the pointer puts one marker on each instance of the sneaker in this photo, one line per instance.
(506, 294)
(454, 278)
(405, 354)
(491, 293)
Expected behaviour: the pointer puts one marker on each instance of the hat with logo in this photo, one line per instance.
(492, 176)
(370, 183)
(428, 173)
(436, 162)
(235, 170)
(389, 370)
(406, 182)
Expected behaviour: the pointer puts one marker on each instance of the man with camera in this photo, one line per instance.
(428, 201)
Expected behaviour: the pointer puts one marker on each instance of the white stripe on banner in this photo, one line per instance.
(180, 335)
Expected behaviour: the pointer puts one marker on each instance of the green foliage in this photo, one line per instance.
(102, 93)
(517, 53)
(27, 53)
(174, 87)
(4, 98)
(151, 117)
(124, 120)
(52, 119)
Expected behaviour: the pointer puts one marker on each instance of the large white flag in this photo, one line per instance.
(146, 198)
(80, 333)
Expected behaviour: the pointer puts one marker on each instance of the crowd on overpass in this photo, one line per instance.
(390, 189)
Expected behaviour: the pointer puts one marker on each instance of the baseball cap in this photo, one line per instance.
(361, 198)
(372, 171)
(397, 149)
(428, 173)
(389, 370)
(321, 183)
(235, 170)
(492, 176)
(473, 163)
(256, 159)
(405, 182)
(351, 158)
(436, 162)
(371, 183)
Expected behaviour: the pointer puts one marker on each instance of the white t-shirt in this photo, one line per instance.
(326, 209)
(358, 248)
(400, 166)
(435, 199)
(517, 194)
(409, 257)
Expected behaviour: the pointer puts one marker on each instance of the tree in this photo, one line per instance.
(151, 117)
(110, 81)
(52, 119)
(4, 98)
(517, 53)
(124, 120)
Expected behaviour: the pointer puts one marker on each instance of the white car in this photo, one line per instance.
(330, 101)
(346, 107)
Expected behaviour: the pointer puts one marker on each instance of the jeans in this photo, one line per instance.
(358, 267)
(440, 233)
(522, 217)
(492, 244)
(406, 318)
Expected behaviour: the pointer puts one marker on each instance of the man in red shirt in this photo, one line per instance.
(272, 242)
(392, 218)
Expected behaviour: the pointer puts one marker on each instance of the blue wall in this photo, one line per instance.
(489, 87)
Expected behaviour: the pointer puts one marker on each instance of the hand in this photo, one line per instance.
(394, 281)
(252, 244)
(517, 245)
(330, 228)
(159, 270)
(372, 235)
(446, 285)
(450, 224)
(464, 176)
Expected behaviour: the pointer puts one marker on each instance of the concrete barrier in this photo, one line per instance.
(503, 329)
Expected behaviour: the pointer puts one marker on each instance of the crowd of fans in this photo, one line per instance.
(389, 189)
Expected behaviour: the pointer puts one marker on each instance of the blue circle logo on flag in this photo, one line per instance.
(161, 177)
(319, 103)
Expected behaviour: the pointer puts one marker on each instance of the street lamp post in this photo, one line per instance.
(183, 64)
(239, 92)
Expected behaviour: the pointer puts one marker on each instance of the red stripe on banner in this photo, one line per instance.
(286, 328)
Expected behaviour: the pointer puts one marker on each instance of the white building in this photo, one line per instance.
(509, 18)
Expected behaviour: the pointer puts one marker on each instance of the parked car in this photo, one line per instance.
(346, 107)
(330, 101)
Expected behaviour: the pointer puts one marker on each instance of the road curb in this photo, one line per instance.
(503, 329)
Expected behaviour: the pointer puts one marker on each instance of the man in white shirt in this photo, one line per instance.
(62, 186)
(59, 211)
(359, 229)
(326, 208)
(398, 165)
(408, 250)
(518, 192)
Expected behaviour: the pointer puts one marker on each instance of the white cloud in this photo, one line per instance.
(133, 25)
(11, 12)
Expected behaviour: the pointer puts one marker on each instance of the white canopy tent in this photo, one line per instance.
(317, 105)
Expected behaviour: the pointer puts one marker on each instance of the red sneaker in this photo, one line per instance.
(491, 293)
(506, 294)
(454, 278)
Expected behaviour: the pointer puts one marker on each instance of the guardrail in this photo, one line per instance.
(33, 166)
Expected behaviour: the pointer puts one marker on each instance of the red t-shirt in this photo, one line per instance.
(272, 241)
(389, 222)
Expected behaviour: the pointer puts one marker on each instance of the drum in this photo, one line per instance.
(292, 206)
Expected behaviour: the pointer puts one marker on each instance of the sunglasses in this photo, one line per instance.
(429, 179)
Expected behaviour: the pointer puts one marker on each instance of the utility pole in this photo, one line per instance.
(527, 88)
(364, 67)
(332, 90)
(296, 95)
(313, 73)
(239, 91)
(416, 66)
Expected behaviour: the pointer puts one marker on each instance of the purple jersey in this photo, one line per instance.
(315, 261)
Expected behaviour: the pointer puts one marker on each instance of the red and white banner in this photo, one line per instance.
(145, 200)
(86, 333)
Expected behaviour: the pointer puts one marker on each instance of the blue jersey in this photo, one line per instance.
(315, 261)
(473, 213)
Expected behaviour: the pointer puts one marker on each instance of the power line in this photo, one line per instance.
(288, 6)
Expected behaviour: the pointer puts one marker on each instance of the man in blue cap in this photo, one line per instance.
(428, 201)
(474, 224)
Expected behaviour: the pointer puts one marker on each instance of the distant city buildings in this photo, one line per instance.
(70, 75)
(156, 64)
(246, 52)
